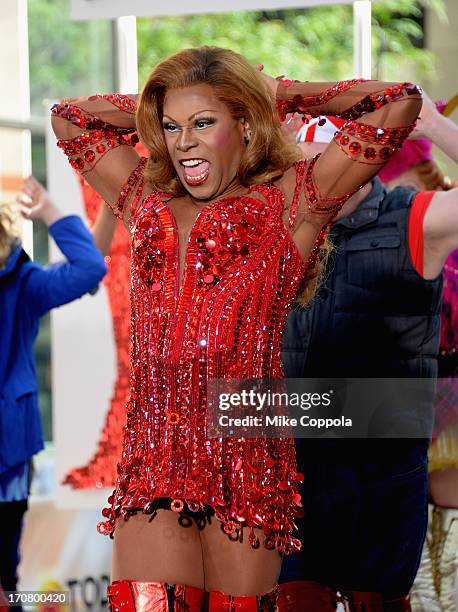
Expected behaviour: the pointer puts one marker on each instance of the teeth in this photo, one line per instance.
(198, 177)
(189, 163)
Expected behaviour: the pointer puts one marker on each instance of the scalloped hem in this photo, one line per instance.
(199, 511)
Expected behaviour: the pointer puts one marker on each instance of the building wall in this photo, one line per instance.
(441, 38)
(14, 101)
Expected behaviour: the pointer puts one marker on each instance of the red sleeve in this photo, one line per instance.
(418, 210)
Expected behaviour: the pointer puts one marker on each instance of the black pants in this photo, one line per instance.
(11, 515)
(366, 515)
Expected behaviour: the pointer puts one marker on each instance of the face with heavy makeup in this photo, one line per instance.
(204, 141)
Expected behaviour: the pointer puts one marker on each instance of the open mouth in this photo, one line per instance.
(195, 171)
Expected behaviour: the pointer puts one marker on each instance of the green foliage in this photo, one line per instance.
(67, 59)
(315, 43)
(74, 58)
(293, 44)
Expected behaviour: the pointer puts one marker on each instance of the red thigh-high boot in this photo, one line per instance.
(306, 596)
(219, 602)
(132, 596)
(365, 601)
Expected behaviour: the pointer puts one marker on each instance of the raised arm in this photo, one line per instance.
(379, 117)
(84, 268)
(440, 231)
(439, 129)
(98, 136)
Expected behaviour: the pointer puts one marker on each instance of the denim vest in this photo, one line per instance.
(374, 315)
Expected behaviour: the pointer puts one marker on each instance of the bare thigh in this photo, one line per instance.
(443, 487)
(235, 568)
(158, 551)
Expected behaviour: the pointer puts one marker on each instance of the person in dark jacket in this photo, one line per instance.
(376, 315)
(27, 292)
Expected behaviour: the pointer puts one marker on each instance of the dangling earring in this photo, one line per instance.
(248, 135)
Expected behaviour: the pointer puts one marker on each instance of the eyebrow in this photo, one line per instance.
(207, 110)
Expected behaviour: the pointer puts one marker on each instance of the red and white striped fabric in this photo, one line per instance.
(319, 129)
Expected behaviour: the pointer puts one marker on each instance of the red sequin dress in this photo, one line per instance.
(224, 318)
(241, 273)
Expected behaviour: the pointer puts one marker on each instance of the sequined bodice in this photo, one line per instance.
(228, 272)
(241, 273)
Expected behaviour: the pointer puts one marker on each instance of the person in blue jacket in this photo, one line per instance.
(27, 292)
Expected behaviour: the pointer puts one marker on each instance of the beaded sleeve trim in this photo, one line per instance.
(84, 119)
(133, 185)
(316, 249)
(312, 105)
(123, 102)
(378, 99)
(299, 104)
(368, 144)
(86, 150)
(318, 204)
(300, 169)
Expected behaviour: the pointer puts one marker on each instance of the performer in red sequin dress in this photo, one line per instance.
(225, 222)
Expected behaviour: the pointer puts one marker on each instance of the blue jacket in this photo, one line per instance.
(27, 292)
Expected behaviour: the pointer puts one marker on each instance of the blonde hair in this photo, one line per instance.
(236, 83)
(432, 176)
(9, 231)
(315, 276)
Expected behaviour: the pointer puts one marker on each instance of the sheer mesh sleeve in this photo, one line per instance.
(98, 135)
(379, 118)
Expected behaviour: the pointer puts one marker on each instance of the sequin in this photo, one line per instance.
(230, 527)
(253, 540)
(355, 148)
(177, 505)
(370, 153)
(173, 418)
(172, 362)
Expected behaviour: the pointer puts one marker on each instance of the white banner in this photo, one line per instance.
(83, 356)
(110, 9)
(61, 550)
